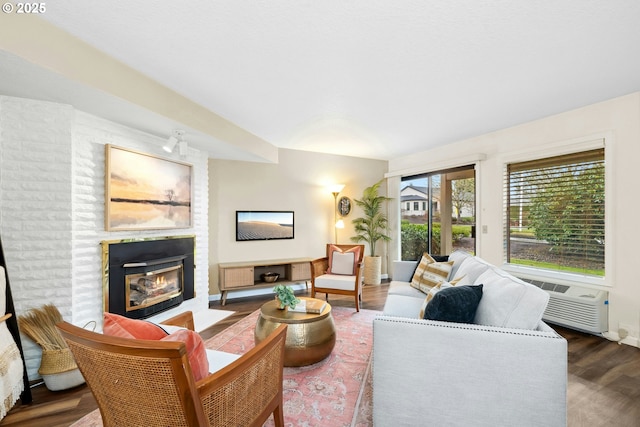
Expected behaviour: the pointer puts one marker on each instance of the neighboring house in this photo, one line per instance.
(414, 200)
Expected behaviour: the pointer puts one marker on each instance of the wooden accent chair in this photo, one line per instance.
(141, 382)
(326, 281)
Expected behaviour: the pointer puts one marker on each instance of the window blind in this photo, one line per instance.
(555, 212)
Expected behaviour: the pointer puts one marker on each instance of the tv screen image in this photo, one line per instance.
(264, 225)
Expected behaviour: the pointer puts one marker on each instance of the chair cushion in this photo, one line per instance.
(343, 261)
(123, 327)
(336, 281)
(455, 304)
(195, 351)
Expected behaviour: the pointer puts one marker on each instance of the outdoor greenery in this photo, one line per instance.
(568, 211)
(556, 266)
(374, 225)
(463, 195)
(415, 236)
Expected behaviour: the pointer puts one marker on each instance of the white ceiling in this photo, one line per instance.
(368, 78)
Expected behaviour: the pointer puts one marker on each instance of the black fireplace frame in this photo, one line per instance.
(147, 251)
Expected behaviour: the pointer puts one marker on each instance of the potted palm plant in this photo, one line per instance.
(371, 228)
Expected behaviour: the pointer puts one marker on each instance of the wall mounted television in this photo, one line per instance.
(264, 225)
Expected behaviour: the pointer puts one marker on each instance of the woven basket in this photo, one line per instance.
(59, 370)
(372, 270)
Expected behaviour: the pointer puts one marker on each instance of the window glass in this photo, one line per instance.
(555, 211)
(449, 224)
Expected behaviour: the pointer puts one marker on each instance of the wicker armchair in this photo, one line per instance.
(140, 382)
(341, 284)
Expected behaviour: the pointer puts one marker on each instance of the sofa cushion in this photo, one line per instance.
(509, 302)
(471, 268)
(454, 304)
(458, 256)
(403, 288)
(402, 306)
(123, 327)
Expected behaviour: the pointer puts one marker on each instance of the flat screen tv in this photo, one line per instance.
(264, 225)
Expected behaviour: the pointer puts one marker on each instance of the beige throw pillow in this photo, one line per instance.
(435, 274)
(420, 269)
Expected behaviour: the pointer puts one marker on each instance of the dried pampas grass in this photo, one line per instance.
(39, 324)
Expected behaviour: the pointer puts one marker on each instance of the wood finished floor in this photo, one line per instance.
(604, 377)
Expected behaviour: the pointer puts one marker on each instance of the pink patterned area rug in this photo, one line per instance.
(334, 392)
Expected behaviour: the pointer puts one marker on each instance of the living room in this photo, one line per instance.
(52, 194)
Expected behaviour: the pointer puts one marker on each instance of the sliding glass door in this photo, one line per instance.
(438, 212)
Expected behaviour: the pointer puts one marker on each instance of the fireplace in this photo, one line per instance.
(145, 277)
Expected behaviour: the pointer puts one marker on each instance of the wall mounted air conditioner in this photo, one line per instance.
(576, 307)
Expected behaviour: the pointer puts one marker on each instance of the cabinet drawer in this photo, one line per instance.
(238, 277)
(301, 271)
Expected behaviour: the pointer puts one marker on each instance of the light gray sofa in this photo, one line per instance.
(507, 369)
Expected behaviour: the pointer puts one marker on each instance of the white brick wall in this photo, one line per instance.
(52, 168)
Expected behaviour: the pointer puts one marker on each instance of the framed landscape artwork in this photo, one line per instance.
(145, 192)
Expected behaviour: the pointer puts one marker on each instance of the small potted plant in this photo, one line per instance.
(285, 296)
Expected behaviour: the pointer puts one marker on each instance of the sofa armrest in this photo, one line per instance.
(466, 374)
(403, 270)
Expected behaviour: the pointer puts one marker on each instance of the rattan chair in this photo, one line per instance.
(149, 383)
(326, 283)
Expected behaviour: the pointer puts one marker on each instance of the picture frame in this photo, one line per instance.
(344, 206)
(265, 225)
(146, 192)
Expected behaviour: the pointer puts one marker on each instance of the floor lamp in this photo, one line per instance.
(335, 190)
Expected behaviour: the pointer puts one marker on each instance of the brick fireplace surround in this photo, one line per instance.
(52, 209)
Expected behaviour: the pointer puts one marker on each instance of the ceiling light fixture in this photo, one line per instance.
(170, 144)
(173, 140)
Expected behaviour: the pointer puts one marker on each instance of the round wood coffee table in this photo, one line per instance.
(310, 337)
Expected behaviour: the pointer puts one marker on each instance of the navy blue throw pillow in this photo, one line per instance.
(455, 304)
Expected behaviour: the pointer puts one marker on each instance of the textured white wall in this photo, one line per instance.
(52, 171)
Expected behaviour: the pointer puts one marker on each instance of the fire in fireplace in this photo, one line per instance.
(142, 278)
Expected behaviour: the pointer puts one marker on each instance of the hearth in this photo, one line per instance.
(145, 277)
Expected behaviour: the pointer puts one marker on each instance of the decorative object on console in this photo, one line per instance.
(269, 277)
(57, 367)
(145, 192)
(371, 228)
(285, 296)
